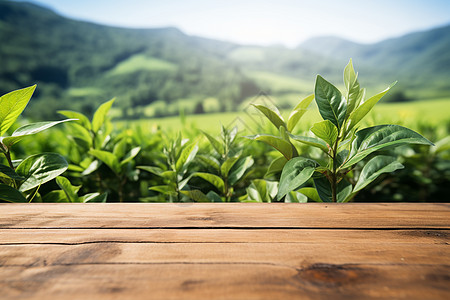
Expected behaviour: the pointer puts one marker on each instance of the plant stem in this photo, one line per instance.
(333, 174)
(8, 158)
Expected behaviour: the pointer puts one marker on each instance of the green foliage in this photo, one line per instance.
(261, 190)
(282, 142)
(21, 183)
(295, 173)
(179, 154)
(98, 159)
(94, 139)
(343, 145)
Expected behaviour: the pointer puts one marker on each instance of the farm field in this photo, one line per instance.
(432, 112)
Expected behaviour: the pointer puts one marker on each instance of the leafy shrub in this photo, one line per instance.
(21, 179)
(337, 179)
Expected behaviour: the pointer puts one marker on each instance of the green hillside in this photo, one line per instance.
(420, 60)
(79, 65)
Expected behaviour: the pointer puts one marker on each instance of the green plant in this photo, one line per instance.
(21, 179)
(94, 138)
(227, 167)
(69, 193)
(345, 145)
(179, 154)
(282, 142)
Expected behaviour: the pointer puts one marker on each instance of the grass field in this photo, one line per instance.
(433, 112)
(281, 83)
(84, 91)
(142, 62)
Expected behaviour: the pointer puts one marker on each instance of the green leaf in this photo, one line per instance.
(163, 189)
(108, 158)
(304, 104)
(10, 173)
(361, 111)
(332, 106)
(227, 165)
(81, 133)
(311, 141)
(298, 112)
(341, 157)
(12, 105)
(276, 166)
(94, 197)
(29, 129)
(374, 168)
(344, 189)
(349, 75)
(295, 173)
(100, 115)
(326, 131)
(213, 179)
(353, 88)
(92, 167)
(239, 168)
(215, 143)
(81, 119)
(186, 156)
(10, 194)
(184, 182)
(69, 190)
(231, 135)
(170, 175)
(281, 145)
(323, 187)
(120, 148)
(311, 193)
(273, 116)
(196, 195)
(40, 168)
(214, 197)
(257, 191)
(130, 155)
(441, 145)
(209, 160)
(57, 196)
(262, 190)
(371, 139)
(295, 197)
(294, 117)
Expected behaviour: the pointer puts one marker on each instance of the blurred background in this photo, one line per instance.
(198, 56)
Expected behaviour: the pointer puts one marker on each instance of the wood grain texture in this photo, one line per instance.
(238, 215)
(225, 251)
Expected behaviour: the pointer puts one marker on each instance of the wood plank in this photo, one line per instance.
(224, 251)
(230, 215)
(340, 236)
(292, 254)
(225, 281)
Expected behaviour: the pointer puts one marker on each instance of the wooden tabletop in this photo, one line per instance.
(224, 251)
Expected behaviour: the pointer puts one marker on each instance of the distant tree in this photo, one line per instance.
(199, 108)
(397, 96)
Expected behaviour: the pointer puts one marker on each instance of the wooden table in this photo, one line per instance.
(224, 251)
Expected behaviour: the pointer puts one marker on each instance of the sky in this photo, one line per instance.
(265, 22)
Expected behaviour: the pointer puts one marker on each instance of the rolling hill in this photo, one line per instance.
(78, 65)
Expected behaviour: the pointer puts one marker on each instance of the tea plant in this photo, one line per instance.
(227, 167)
(21, 179)
(69, 193)
(94, 139)
(341, 140)
(179, 154)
